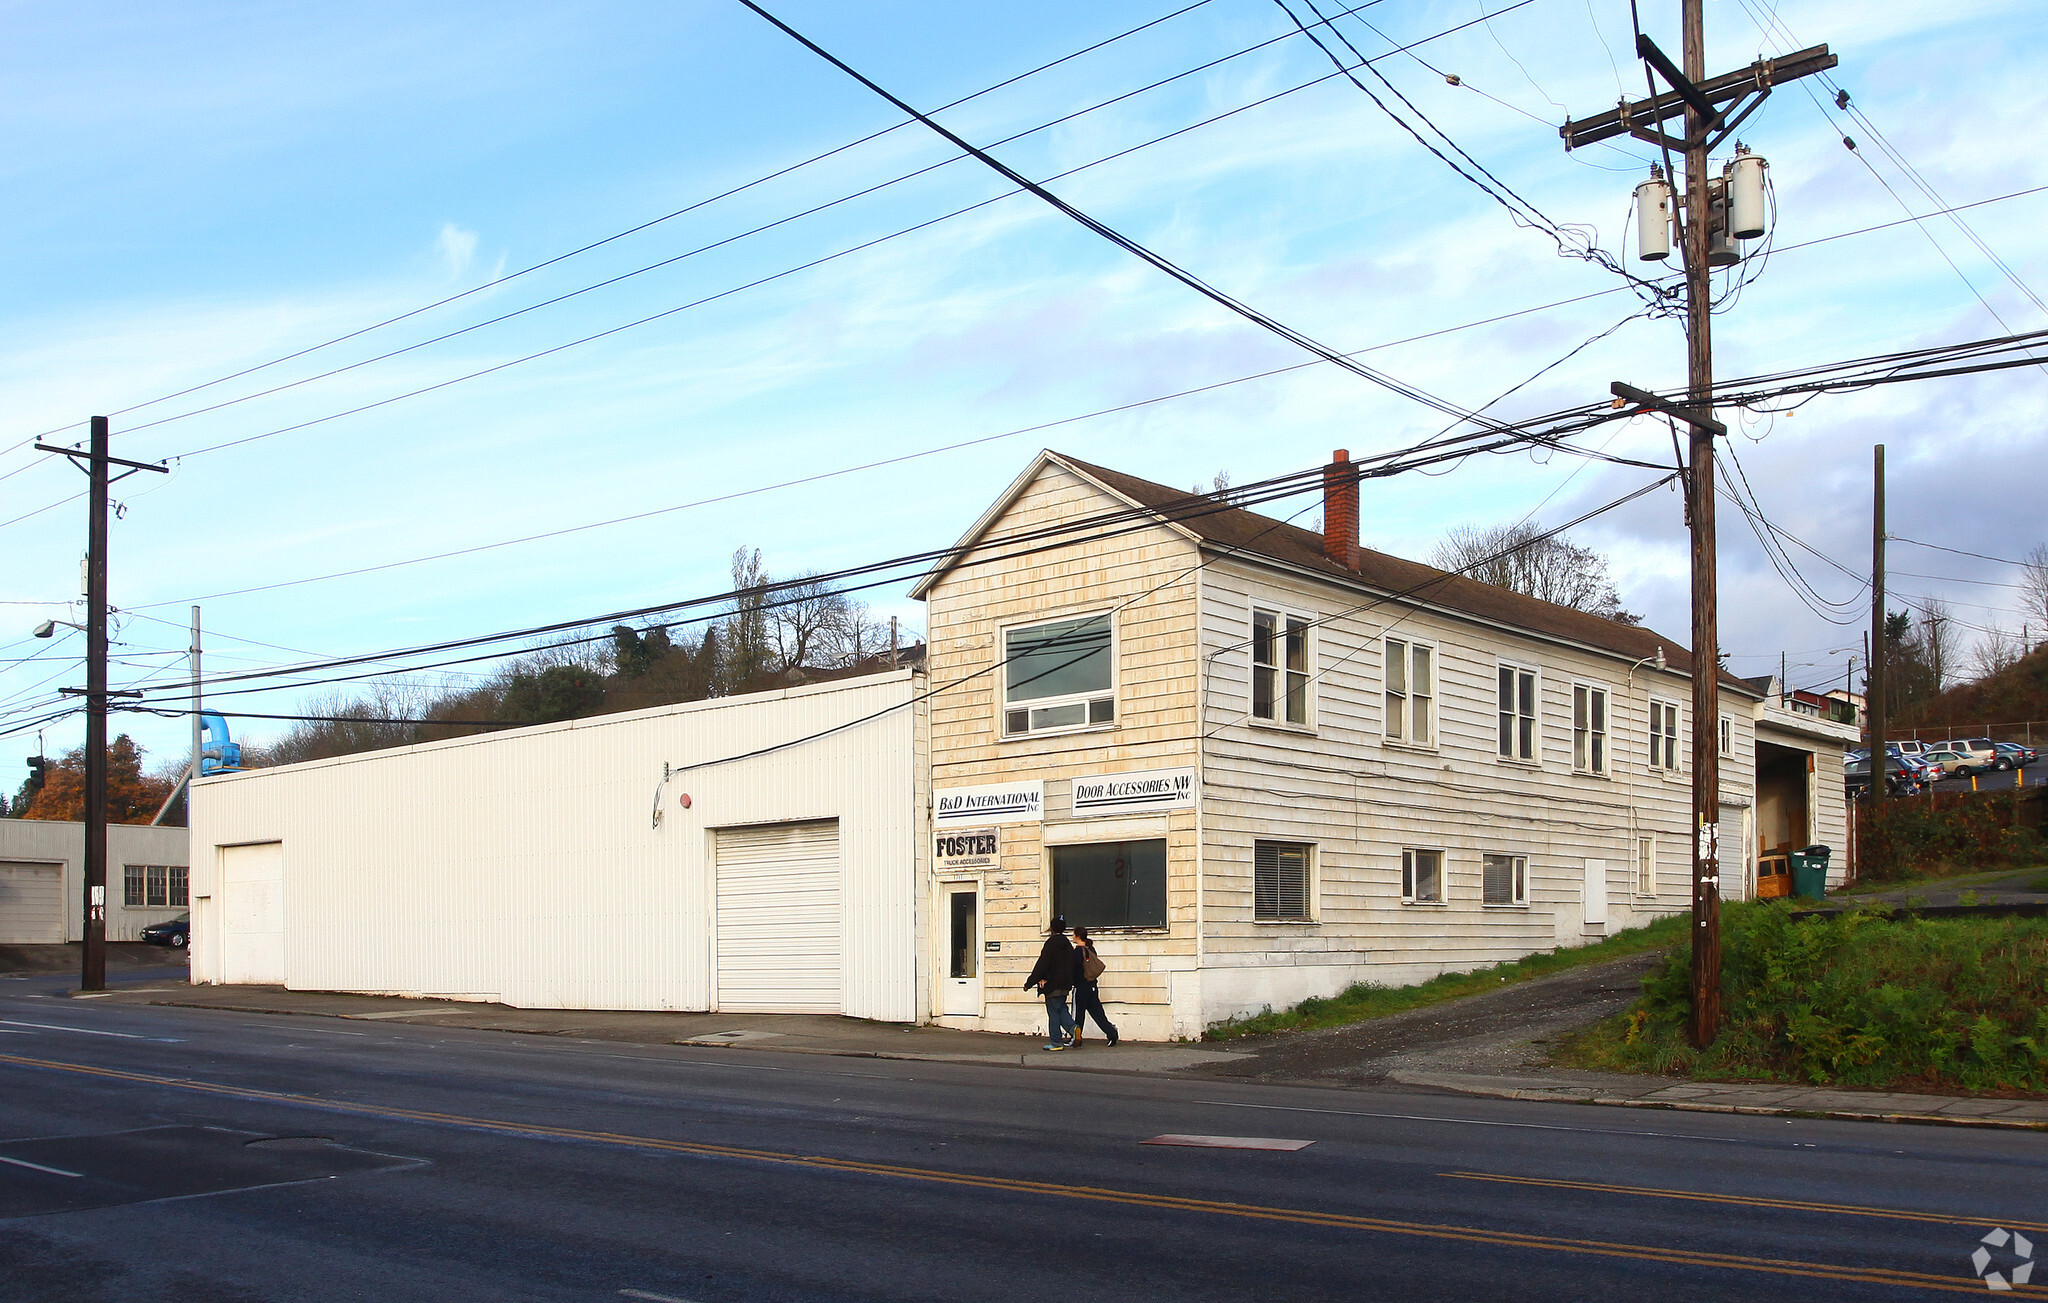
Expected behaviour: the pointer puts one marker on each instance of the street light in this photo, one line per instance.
(48, 627)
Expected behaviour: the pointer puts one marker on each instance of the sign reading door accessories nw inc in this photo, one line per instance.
(969, 807)
(1141, 791)
(966, 848)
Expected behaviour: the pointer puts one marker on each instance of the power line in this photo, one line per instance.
(631, 230)
(1124, 242)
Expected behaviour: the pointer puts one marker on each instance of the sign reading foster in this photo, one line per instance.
(1138, 792)
(966, 848)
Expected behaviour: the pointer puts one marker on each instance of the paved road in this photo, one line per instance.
(156, 1153)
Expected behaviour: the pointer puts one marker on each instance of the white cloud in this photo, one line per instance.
(457, 248)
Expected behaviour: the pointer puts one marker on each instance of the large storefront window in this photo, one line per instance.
(1110, 884)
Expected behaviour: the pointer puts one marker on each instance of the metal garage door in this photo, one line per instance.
(31, 903)
(778, 919)
(252, 917)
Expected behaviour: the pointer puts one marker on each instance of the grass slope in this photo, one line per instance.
(1366, 1000)
(1863, 999)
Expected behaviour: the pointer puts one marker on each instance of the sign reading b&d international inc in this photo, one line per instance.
(1140, 791)
(966, 807)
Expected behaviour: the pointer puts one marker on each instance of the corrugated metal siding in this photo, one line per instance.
(55, 842)
(778, 918)
(523, 867)
(31, 903)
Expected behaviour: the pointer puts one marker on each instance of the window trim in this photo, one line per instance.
(1408, 694)
(1534, 718)
(1002, 694)
(1049, 854)
(1518, 868)
(1670, 736)
(1281, 615)
(1600, 741)
(1646, 866)
(1408, 897)
(1308, 884)
(1726, 738)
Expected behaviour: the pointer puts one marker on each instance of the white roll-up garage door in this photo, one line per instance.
(778, 919)
(252, 917)
(31, 903)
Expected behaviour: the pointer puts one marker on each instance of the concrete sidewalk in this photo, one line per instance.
(827, 1034)
(1632, 1091)
(790, 1033)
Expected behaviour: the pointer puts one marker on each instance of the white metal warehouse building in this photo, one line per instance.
(761, 853)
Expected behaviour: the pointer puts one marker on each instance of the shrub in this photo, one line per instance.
(1864, 998)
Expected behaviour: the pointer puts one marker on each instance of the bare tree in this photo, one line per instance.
(804, 616)
(1521, 557)
(1997, 651)
(1938, 636)
(2034, 589)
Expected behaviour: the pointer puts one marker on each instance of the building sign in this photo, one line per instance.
(965, 848)
(1141, 791)
(967, 807)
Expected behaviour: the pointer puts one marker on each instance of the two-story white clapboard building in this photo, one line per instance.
(1262, 763)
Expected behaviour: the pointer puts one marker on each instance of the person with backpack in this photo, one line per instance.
(1053, 977)
(1087, 1000)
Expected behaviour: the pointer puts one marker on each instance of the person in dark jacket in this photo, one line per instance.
(1053, 977)
(1088, 1000)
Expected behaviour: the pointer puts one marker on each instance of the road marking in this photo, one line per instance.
(23, 1162)
(657, 1298)
(82, 1031)
(1228, 1142)
(1476, 1122)
(1130, 1198)
(1751, 1201)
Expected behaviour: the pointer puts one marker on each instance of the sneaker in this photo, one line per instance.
(1060, 1046)
(1113, 1038)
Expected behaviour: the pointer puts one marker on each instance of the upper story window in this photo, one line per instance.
(1280, 667)
(1589, 729)
(1517, 709)
(1411, 692)
(1727, 736)
(1664, 735)
(1057, 676)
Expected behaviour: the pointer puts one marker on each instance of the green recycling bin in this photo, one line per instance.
(1810, 872)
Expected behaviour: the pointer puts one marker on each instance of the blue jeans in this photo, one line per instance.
(1059, 1018)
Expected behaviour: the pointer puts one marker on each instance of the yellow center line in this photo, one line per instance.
(1753, 1201)
(1953, 1284)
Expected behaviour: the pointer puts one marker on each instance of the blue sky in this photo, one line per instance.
(196, 189)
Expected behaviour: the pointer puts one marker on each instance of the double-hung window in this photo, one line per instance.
(1422, 877)
(1411, 692)
(1664, 735)
(1056, 676)
(1280, 882)
(1646, 866)
(1516, 693)
(1280, 667)
(1727, 736)
(1506, 879)
(1589, 729)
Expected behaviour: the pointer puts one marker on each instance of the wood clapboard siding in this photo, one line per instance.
(1154, 644)
(1360, 799)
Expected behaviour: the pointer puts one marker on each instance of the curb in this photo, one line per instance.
(1747, 1110)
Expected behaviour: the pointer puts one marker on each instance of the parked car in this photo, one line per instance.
(2012, 755)
(1904, 780)
(1909, 748)
(1981, 750)
(174, 933)
(1955, 764)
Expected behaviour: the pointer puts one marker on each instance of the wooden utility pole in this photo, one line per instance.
(1712, 110)
(92, 974)
(1874, 703)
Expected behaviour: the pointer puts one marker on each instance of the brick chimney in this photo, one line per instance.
(1340, 510)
